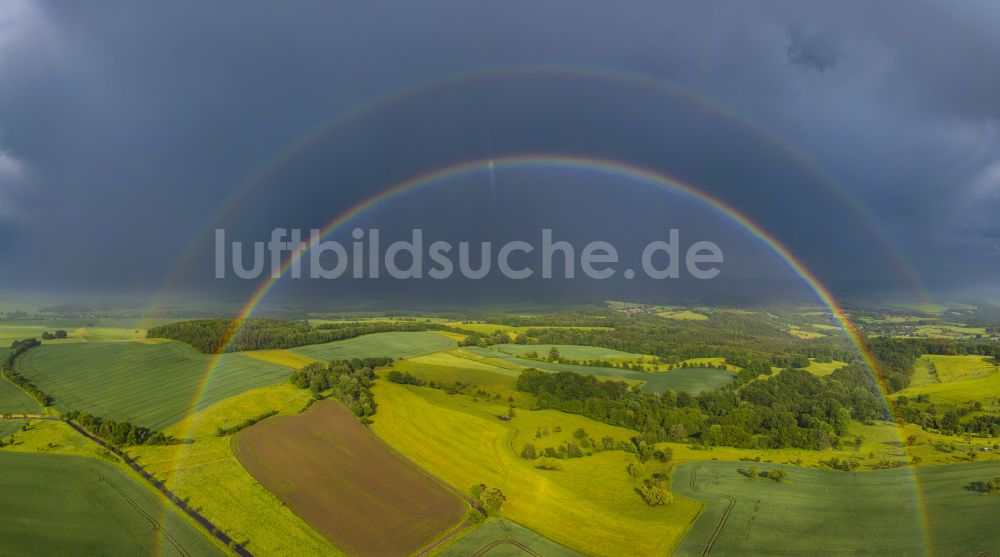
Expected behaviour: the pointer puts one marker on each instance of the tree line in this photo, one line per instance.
(224, 431)
(120, 434)
(17, 348)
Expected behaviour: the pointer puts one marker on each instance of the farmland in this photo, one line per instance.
(954, 379)
(152, 385)
(683, 315)
(207, 473)
(447, 423)
(693, 379)
(72, 505)
(76, 332)
(8, 427)
(329, 470)
(500, 537)
(15, 401)
(568, 351)
(394, 345)
(870, 513)
(462, 442)
(961, 368)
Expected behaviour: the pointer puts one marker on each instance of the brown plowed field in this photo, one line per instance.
(334, 474)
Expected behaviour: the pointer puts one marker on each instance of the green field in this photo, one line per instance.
(18, 330)
(692, 380)
(7, 427)
(866, 513)
(568, 351)
(152, 385)
(961, 368)
(395, 345)
(954, 379)
(70, 505)
(500, 537)
(13, 400)
(683, 315)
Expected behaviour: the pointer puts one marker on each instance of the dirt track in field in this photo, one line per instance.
(334, 474)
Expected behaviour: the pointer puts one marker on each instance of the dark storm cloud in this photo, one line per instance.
(123, 126)
(818, 50)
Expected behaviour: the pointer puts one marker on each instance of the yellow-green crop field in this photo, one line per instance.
(824, 368)
(803, 334)
(11, 331)
(683, 315)
(961, 368)
(954, 379)
(285, 358)
(463, 442)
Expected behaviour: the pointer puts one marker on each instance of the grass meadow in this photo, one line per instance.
(954, 379)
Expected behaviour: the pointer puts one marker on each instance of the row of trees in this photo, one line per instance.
(17, 348)
(116, 433)
(52, 336)
(224, 431)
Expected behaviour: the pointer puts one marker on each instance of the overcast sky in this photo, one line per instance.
(124, 126)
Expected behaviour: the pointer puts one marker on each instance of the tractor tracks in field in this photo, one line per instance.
(721, 525)
(159, 486)
(486, 548)
(157, 527)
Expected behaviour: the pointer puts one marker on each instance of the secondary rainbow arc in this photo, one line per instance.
(371, 104)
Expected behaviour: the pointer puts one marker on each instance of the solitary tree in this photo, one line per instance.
(635, 469)
(529, 452)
